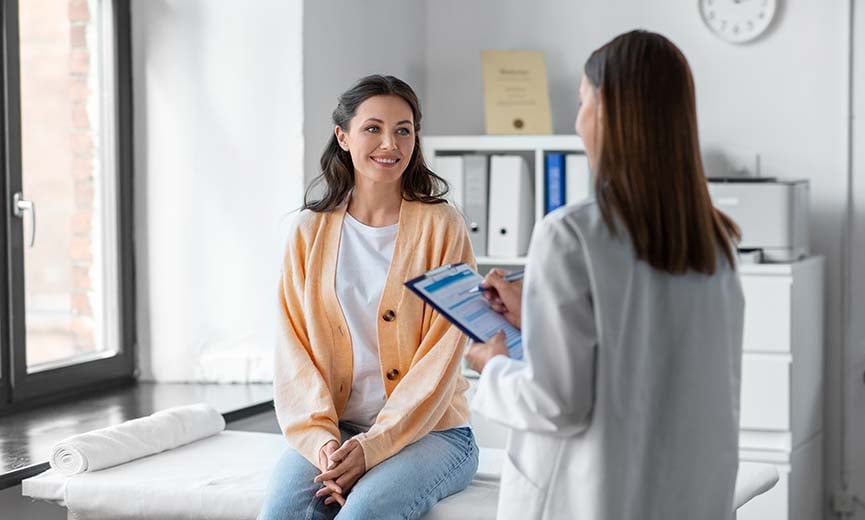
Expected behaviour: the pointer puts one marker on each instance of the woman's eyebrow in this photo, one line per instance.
(377, 120)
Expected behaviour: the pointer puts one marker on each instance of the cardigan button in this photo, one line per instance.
(392, 374)
(388, 315)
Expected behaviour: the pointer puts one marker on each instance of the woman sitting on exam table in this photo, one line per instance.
(626, 404)
(367, 385)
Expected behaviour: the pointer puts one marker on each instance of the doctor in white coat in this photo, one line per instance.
(626, 404)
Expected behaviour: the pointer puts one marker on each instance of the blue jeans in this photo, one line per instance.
(405, 486)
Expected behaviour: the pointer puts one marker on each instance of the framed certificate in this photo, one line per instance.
(516, 98)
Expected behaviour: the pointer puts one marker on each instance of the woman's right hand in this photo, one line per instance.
(505, 297)
(333, 491)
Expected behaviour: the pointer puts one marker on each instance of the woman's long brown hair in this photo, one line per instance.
(649, 173)
(337, 171)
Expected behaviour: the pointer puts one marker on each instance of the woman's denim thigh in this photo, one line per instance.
(409, 484)
(291, 492)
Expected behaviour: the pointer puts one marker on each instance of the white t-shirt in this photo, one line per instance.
(362, 263)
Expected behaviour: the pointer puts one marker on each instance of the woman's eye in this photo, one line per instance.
(403, 131)
(372, 129)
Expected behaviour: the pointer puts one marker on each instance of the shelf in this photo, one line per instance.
(501, 260)
(502, 143)
(532, 148)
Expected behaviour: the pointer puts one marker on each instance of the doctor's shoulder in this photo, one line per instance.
(583, 216)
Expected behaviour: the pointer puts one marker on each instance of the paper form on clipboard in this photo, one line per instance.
(446, 289)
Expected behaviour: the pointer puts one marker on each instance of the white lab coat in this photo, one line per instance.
(626, 405)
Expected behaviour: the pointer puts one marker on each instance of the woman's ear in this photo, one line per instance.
(341, 137)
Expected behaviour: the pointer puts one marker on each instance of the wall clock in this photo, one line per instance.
(737, 21)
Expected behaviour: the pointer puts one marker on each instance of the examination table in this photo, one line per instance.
(225, 477)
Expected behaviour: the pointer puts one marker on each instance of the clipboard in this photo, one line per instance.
(446, 289)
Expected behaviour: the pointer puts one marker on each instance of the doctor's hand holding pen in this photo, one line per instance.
(505, 297)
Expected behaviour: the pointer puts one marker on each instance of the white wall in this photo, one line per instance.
(218, 141)
(344, 40)
(783, 97)
(219, 125)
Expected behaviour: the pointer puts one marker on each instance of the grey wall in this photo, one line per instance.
(344, 40)
(218, 154)
(783, 97)
(856, 359)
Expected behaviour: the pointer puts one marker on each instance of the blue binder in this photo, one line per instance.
(554, 180)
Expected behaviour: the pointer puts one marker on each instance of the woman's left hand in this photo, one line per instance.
(347, 466)
(479, 354)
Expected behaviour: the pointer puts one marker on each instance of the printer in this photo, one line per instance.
(772, 214)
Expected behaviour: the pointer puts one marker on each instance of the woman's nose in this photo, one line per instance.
(387, 143)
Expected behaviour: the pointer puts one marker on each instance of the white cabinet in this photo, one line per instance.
(765, 403)
(782, 385)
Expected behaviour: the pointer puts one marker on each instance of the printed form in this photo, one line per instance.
(447, 290)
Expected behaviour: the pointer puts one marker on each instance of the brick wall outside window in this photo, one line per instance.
(60, 161)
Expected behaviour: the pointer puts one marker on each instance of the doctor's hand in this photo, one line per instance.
(505, 297)
(479, 354)
(334, 492)
(347, 465)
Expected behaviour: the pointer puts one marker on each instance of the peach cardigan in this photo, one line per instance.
(420, 351)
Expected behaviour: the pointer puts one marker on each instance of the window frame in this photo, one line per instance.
(18, 389)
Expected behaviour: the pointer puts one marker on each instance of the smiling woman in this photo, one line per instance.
(367, 383)
(339, 162)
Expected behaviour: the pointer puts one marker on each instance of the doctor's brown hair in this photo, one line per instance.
(419, 183)
(649, 170)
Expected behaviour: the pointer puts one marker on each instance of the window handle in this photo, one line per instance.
(19, 206)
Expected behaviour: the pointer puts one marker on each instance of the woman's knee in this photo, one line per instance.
(291, 491)
(361, 506)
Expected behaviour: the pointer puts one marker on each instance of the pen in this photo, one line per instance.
(510, 277)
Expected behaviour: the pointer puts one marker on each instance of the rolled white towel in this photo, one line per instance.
(134, 439)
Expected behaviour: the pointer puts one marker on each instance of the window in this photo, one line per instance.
(67, 295)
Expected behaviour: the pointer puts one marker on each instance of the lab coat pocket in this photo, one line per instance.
(519, 497)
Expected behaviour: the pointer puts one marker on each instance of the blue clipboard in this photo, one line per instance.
(446, 289)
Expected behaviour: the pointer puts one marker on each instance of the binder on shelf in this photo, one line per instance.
(467, 177)
(511, 206)
(475, 192)
(578, 178)
(450, 168)
(554, 181)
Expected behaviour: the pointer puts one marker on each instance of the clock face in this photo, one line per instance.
(737, 21)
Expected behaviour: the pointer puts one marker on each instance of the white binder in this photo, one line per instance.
(511, 206)
(475, 191)
(450, 168)
(578, 178)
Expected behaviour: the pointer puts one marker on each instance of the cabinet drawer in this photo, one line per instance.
(765, 397)
(767, 313)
